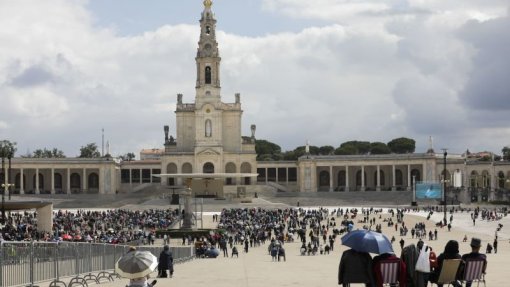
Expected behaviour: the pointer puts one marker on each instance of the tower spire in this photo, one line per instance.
(208, 58)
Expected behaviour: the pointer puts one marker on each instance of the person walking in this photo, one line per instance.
(166, 262)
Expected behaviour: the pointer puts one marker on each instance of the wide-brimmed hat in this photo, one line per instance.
(475, 242)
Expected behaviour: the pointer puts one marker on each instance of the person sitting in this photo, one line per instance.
(475, 254)
(451, 251)
(355, 267)
(378, 276)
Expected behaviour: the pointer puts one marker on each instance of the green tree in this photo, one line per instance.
(506, 153)
(301, 150)
(89, 151)
(47, 153)
(266, 149)
(353, 148)
(379, 148)
(346, 150)
(290, 155)
(7, 149)
(130, 156)
(326, 150)
(402, 145)
(127, 157)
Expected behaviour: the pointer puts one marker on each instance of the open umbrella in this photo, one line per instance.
(136, 264)
(367, 241)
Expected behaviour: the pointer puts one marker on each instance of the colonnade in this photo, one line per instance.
(56, 180)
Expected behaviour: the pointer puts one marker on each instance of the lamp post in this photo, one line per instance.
(3, 182)
(414, 191)
(7, 150)
(445, 153)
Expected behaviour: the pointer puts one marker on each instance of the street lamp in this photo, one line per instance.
(7, 150)
(444, 184)
(414, 191)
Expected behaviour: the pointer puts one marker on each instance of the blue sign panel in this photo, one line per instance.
(428, 190)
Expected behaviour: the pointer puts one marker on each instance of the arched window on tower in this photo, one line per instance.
(207, 75)
(208, 128)
(208, 30)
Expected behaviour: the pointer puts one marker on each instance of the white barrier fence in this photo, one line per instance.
(28, 263)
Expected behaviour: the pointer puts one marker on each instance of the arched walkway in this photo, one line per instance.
(75, 182)
(171, 168)
(208, 167)
(341, 180)
(323, 180)
(246, 168)
(93, 183)
(230, 168)
(187, 168)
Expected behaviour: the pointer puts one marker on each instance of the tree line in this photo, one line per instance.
(89, 150)
(268, 151)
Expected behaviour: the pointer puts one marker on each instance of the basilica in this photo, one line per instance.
(211, 138)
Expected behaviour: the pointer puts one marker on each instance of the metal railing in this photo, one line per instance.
(28, 263)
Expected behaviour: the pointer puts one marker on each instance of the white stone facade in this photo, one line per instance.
(208, 131)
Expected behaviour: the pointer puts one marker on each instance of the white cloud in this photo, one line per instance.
(375, 72)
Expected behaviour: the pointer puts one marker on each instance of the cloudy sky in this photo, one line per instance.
(327, 71)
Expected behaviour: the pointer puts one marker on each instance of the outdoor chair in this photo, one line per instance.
(448, 273)
(474, 272)
(389, 272)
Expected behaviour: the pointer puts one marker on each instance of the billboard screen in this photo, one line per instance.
(428, 190)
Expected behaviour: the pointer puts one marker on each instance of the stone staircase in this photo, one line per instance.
(383, 198)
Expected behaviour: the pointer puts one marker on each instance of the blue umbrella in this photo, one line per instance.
(367, 241)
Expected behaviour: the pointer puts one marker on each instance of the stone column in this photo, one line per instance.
(346, 178)
(141, 176)
(68, 183)
(52, 180)
(408, 177)
(150, 169)
(330, 178)
(37, 191)
(84, 180)
(394, 178)
(21, 182)
(362, 178)
(287, 176)
(267, 175)
(101, 180)
(378, 187)
(130, 176)
(276, 171)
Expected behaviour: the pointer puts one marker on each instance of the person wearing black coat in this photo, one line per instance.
(166, 262)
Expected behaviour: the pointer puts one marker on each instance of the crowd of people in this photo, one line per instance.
(107, 226)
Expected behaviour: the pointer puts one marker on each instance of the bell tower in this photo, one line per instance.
(208, 59)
